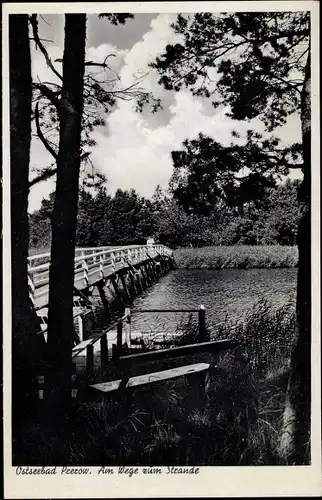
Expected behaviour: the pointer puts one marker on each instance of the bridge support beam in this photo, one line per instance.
(139, 278)
(104, 300)
(132, 280)
(117, 291)
(125, 289)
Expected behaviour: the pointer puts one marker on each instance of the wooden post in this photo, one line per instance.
(119, 341)
(80, 327)
(101, 266)
(104, 351)
(89, 362)
(85, 269)
(128, 326)
(202, 324)
(129, 256)
(122, 259)
(115, 353)
(31, 287)
(158, 269)
(113, 262)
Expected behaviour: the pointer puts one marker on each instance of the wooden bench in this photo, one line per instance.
(196, 376)
(198, 373)
(150, 378)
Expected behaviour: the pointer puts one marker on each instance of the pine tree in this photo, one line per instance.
(262, 66)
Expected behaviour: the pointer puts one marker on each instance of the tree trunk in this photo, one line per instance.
(23, 331)
(295, 443)
(64, 217)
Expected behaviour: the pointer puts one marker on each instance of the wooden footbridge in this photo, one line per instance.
(128, 271)
(94, 266)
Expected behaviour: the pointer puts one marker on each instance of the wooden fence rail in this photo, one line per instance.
(203, 333)
(214, 347)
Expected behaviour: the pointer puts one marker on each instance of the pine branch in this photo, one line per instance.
(41, 136)
(50, 172)
(34, 24)
(47, 92)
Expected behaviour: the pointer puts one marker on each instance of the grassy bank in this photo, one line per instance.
(238, 256)
(166, 424)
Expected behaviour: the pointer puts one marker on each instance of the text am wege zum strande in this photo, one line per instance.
(125, 471)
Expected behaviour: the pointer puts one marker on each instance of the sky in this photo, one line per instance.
(134, 149)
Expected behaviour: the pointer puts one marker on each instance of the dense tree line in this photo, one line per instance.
(127, 218)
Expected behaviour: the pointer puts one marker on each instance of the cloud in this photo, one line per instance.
(135, 150)
(136, 156)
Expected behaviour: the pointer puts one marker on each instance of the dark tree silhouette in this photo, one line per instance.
(24, 340)
(262, 61)
(64, 216)
(236, 174)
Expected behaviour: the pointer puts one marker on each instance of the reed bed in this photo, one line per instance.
(237, 257)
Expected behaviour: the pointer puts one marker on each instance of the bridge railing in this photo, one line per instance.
(91, 265)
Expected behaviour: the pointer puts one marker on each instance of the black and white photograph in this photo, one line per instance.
(162, 193)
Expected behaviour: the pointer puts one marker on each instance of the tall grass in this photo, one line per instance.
(265, 337)
(238, 256)
(237, 423)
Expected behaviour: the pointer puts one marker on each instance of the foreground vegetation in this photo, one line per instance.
(238, 424)
(237, 256)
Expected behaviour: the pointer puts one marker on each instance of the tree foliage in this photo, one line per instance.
(205, 172)
(259, 58)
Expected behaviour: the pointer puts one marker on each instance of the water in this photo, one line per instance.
(227, 294)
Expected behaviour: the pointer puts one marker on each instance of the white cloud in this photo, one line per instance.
(134, 155)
